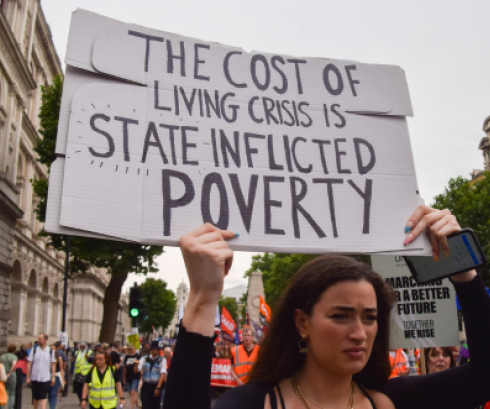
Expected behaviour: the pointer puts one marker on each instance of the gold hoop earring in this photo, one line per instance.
(303, 349)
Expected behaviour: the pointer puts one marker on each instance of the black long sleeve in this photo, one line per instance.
(464, 387)
(189, 377)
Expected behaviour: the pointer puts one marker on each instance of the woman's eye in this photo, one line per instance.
(339, 317)
(371, 318)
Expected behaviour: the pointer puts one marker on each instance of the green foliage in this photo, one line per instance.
(470, 203)
(48, 115)
(277, 270)
(231, 305)
(159, 302)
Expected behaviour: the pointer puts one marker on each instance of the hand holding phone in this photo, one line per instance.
(465, 254)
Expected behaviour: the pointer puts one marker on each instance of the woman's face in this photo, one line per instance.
(99, 360)
(438, 361)
(342, 327)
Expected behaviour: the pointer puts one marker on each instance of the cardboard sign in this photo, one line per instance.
(159, 133)
(63, 338)
(424, 314)
(133, 340)
(221, 373)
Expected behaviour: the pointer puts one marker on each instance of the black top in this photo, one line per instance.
(129, 365)
(464, 387)
(115, 358)
(88, 377)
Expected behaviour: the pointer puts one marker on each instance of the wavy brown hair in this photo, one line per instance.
(279, 356)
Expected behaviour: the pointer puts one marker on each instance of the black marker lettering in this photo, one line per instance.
(226, 69)
(110, 141)
(168, 202)
(125, 122)
(296, 207)
(148, 39)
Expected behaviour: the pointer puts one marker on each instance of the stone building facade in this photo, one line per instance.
(31, 273)
(182, 295)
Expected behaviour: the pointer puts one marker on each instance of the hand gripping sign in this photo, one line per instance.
(159, 133)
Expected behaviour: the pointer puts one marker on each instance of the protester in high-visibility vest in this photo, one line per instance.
(82, 366)
(244, 356)
(102, 384)
(438, 359)
(399, 363)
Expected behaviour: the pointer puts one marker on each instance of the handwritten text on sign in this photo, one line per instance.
(309, 152)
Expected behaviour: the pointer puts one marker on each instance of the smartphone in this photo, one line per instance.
(465, 254)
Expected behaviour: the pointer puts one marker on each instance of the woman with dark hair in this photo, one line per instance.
(328, 342)
(438, 359)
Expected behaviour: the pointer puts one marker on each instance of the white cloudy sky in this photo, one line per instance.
(441, 45)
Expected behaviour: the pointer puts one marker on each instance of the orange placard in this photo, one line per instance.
(265, 312)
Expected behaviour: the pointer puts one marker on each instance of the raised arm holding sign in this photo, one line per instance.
(328, 340)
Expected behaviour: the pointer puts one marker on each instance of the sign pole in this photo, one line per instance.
(65, 296)
(65, 283)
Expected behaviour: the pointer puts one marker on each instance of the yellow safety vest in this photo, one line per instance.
(81, 364)
(103, 393)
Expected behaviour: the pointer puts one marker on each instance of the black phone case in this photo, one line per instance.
(413, 271)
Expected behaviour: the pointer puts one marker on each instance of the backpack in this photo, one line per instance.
(34, 354)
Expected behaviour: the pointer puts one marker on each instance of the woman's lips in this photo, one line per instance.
(355, 352)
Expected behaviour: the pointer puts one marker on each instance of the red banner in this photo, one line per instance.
(220, 373)
(228, 326)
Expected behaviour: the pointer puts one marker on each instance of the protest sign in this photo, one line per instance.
(63, 338)
(264, 312)
(424, 314)
(220, 373)
(228, 326)
(133, 340)
(159, 133)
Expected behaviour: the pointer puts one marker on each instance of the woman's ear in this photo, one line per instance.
(301, 320)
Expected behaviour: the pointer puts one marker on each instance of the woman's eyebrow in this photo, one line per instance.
(350, 308)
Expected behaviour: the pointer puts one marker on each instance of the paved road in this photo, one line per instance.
(70, 402)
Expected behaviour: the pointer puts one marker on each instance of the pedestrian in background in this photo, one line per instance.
(131, 379)
(153, 369)
(41, 369)
(438, 359)
(82, 366)
(59, 381)
(9, 362)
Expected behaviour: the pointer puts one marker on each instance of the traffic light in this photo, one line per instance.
(135, 302)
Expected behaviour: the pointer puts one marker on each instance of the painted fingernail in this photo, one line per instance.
(446, 253)
(237, 234)
(409, 226)
(408, 239)
(435, 256)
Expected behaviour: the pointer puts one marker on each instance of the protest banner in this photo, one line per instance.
(228, 326)
(424, 315)
(159, 133)
(220, 373)
(264, 312)
(133, 340)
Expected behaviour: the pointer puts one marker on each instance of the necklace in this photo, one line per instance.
(301, 396)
